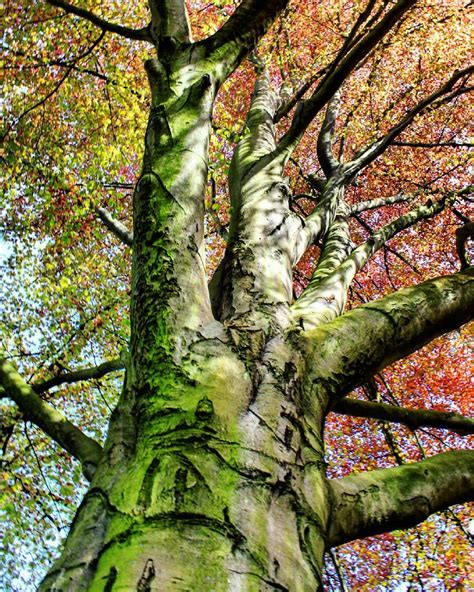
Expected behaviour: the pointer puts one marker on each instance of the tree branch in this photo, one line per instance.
(379, 202)
(170, 21)
(261, 137)
(463, 233)
(325, 299)
(327, 160)
(78, 375)
(337, 245)
(51, 421)
(119, 229)
(413, 418)
(58, 85)
(388, 248)
(399, 497)
(391, 440)
(443, 95)
(336, 76)
(317, 224)
(434, 144)
(240, 33)
(137, 34)
(346, 352)
(286, 107)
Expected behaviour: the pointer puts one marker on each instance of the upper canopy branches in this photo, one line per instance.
(345, 62)
(136, 34)
(325, 296)
(371, 27)
(170, 26)
(454, 87)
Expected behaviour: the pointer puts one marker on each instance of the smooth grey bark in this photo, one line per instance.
(115, 226)
(328, 161)
(51, 421)
(170, 21)
(347, 351)
(378, 203)
(399, 497)
(336, 248)
(240, 34)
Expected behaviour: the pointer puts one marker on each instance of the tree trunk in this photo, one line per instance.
(220, 487)
(210, 479)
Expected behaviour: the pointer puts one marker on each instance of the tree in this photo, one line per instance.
(213, 472)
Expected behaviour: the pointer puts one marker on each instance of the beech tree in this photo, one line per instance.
(213, 474)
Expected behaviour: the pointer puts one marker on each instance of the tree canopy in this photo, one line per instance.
(372, 93)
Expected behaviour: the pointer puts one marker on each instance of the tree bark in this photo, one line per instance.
(399, 497)
(51, 421)
(224, 469)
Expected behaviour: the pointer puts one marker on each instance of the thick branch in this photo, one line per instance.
(260, 138)
(78, 375)
(138, 34)
(262, 223)
(170, 20)
(379, 202)
(317, 224)
(413, 418)
(51, 421)
(241, 32)
(327, 160)
(337, 245)
(399, 497)
(119, 229)
(347, 351)
(392, 441)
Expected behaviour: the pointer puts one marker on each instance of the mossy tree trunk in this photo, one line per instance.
(213, 475)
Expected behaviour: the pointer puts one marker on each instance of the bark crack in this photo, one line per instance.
(271, 583)
(112, 576)
(265, 424)
(147, 577)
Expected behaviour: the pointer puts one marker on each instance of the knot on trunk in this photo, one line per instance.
(204, 409)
